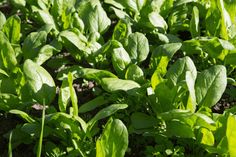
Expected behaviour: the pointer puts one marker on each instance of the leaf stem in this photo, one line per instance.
(39, 150)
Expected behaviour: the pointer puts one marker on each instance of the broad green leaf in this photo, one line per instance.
(7, 55)
(157, 21)
(106, 112)
(45, 53)
(194, 23)
(87, 73)
(23, 115)
(162, 55)
(98, 20)
(33, 43)
(205, 137)
(12, 29)
(39, 82)
(142, 121)
(120, 13)
(177, 71)
(231, 134)
(164, 94)
(120, 60)
(179, 129)
(135, 73)
(210, 85)
(92, 104)
(2, 20)
(85, 8)
(44, 16)
(75, 43)
(137, 47)
(115, 84)
(64, 95)
(167, 38)
(202, 120)
(18, 3)
(113, 141)
(77, 22)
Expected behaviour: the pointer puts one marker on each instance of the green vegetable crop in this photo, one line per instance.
(115, 78)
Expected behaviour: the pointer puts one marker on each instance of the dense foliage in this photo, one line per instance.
(114, 78)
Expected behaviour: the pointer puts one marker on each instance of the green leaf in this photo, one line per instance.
(106, 112)
(45, 53)
(75, 43)
(64, 96)
(157, 21)
(73, 95)
(113, 141)
(115, 84)
(190, 81)
(231, 134)
(162, 55)
(7, 55)
(65, 124)
(2, 20)
(87, 73)
(142, 121)
(218, 20)
(23, 115)
(120, 60)
(39, 82)
(205, 137)
(135, 73)
(33, 43)
(179, 129)
(210, 85)
(213, 21)
(177, 71)
(18, 3)
(44, 16)
(12, 29)
(92, 104)
(98, 20)
(77, 22)
(192, 46)
(194, 23)
(137, 47)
